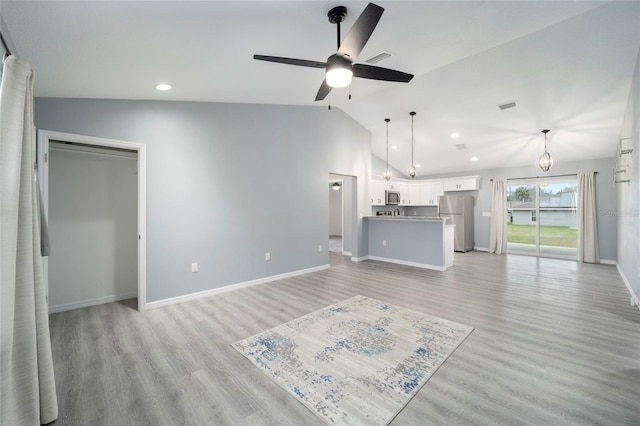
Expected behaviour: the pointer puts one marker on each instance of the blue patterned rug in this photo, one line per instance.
(358, 362)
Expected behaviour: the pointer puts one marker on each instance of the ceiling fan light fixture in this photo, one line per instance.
(339, 73)
(339, 77)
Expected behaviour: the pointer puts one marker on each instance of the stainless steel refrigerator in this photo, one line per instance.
(459, 210)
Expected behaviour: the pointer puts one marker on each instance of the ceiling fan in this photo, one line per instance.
(340, 67)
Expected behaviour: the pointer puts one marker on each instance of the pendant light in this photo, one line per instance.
(412, 169)
(545, 162)
(387, 174)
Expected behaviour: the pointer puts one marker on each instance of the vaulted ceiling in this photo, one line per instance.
(566, 64)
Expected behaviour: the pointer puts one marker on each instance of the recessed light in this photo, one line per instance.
(474, 158)
(394, 146)
(418, 165)
(455, 135)
(163, 87)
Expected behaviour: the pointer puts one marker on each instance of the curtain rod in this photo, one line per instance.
(542, 177)
(4, 44)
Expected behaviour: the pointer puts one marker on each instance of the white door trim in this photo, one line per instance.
(44, 136)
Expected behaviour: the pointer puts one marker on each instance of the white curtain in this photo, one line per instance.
(498, 226)
(587, 223)
(28, 394)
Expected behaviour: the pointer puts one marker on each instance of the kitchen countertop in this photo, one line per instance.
(422, 218)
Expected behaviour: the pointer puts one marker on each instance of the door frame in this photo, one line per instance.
(537, 182)
(44, 137)
(341, 182)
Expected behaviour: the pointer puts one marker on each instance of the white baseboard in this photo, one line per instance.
(359, 259)
(91, 302)
(404, 262)
(635, 301)
(481, 249)
(608, 262)
(232, 287)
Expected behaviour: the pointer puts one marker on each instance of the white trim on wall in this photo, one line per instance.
(232, 287)
(44, 137)
(90, 302)
(635, 300)
(407, 263)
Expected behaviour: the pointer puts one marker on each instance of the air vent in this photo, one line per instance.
(508, 105)
(461, 146)
(379, 57)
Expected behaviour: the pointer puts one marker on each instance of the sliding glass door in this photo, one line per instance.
(542, 218)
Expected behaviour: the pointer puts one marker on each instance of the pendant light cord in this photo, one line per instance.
(412, 114)
(387, 121)
(545, 131)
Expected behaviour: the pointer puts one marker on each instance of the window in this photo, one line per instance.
(533, 216)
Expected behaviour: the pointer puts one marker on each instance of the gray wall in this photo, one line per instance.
(93, 227)
(350, 213)
(605, 198)
(627, 212)
(408, 240)
(228, 182)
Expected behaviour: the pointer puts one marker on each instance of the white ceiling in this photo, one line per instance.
(567, 64)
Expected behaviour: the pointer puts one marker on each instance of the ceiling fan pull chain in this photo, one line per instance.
(349, 92)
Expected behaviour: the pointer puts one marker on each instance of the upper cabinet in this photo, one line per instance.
(376, 191)
(470, 183)
(420, 192)
(429, 192)
(377, 188)
(415, 196)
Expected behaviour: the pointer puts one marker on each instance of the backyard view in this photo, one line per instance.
(560, 236)
(546, 210)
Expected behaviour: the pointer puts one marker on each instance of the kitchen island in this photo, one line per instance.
(424, 242)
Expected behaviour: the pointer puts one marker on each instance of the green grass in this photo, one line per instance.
(557, 236)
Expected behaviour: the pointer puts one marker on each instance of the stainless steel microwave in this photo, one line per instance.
(391, 198)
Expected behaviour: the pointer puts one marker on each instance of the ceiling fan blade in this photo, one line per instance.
(361, 31)
(291, 61)
(323, 91)
(378, 73)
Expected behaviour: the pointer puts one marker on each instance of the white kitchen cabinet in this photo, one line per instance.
(403, 187)
(376, 191)
(429, 192)
(462, 184)
(415, 198)
(377, 188)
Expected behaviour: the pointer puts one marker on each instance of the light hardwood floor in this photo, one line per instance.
(555, 342)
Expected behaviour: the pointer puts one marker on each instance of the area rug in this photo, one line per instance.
(358, 362)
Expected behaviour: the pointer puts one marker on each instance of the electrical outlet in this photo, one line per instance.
(194, 267)
(267, 256)
(384, 243)
(320, 247)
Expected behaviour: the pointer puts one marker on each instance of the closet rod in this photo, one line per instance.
(4, 44)
(542, 177)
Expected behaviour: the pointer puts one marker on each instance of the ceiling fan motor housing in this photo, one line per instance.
(337, 14)
(338, 61)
